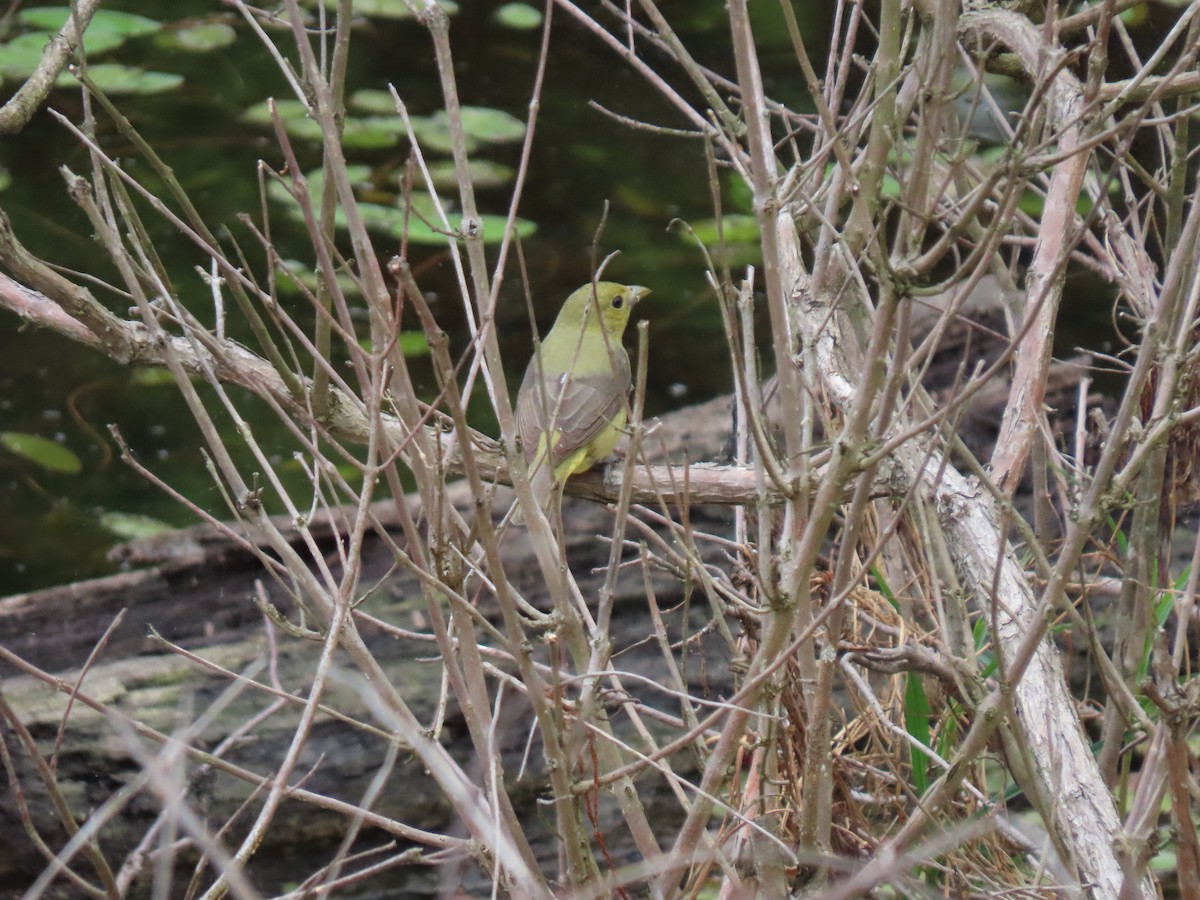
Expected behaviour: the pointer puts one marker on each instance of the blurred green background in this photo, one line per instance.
(196, 71)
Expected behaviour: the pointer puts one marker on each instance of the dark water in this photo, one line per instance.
(51, 527)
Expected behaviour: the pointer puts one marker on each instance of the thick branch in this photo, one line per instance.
(131, 343)
(16, 113)
(1055, 239)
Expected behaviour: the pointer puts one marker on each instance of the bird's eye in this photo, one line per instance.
(618, 301)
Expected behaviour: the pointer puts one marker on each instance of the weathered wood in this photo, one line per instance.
(202, 601)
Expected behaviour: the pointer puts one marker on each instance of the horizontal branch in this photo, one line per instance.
(693, 483)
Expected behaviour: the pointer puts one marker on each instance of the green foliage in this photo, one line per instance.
(1164, 603)
(107, 31)
(295, 274)
(133, 526)
(380, 103)
(106, 24)
(382, 127)
(736, 228)
(48, 454)
(917, 712)
(386, 9)
(392, 219)
(1119, 536)
(369, 133)
(987, 658)
(199, 37)
(19, 57)
(116, 79)
(948, 729)
(32, 44)
(520, 16)
(491, 126)
(485, 174)
(151, 377)
(413, 343)
(916, 722)
(740, 234)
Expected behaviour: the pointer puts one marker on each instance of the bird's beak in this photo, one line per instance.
(637, 292)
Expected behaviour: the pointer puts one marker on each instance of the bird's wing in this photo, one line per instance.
(581, 406)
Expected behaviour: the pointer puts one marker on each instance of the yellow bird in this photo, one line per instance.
(572, 404)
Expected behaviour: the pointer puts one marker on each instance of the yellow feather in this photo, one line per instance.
(571, 408)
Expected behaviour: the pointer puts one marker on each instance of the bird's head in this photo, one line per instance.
(612, 303)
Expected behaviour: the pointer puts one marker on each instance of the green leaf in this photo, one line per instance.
(104, 23)
(151, 377)
(1136, 15)
(491, 126)
(480, 125)
(948, 730)
(518, 15)
(381, 217)
(199, 37)
(1166, 603)
(493, 230)
(292, 113)
(5, 178)
(741, 195)
(367, 133)
(93, 42)
(46, 453)
(987, 658)
(387, 9)
(114, 79)
(737, 228)
(132, 526)
(1034, 204)
(294, 274)
(390, 220)
(434, 135)
(485, 175)
(916, 721)
(381, 103)
(18, 60)
(107, 31)
(360, 179)
(413, 344)
(372, 132)
(260, 113)
(741, 239)
(359, 175)
(885, 588)
(1119, 536)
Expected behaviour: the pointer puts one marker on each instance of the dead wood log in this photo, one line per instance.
(203, 603)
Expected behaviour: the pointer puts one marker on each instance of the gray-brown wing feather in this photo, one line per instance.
(587, 405)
